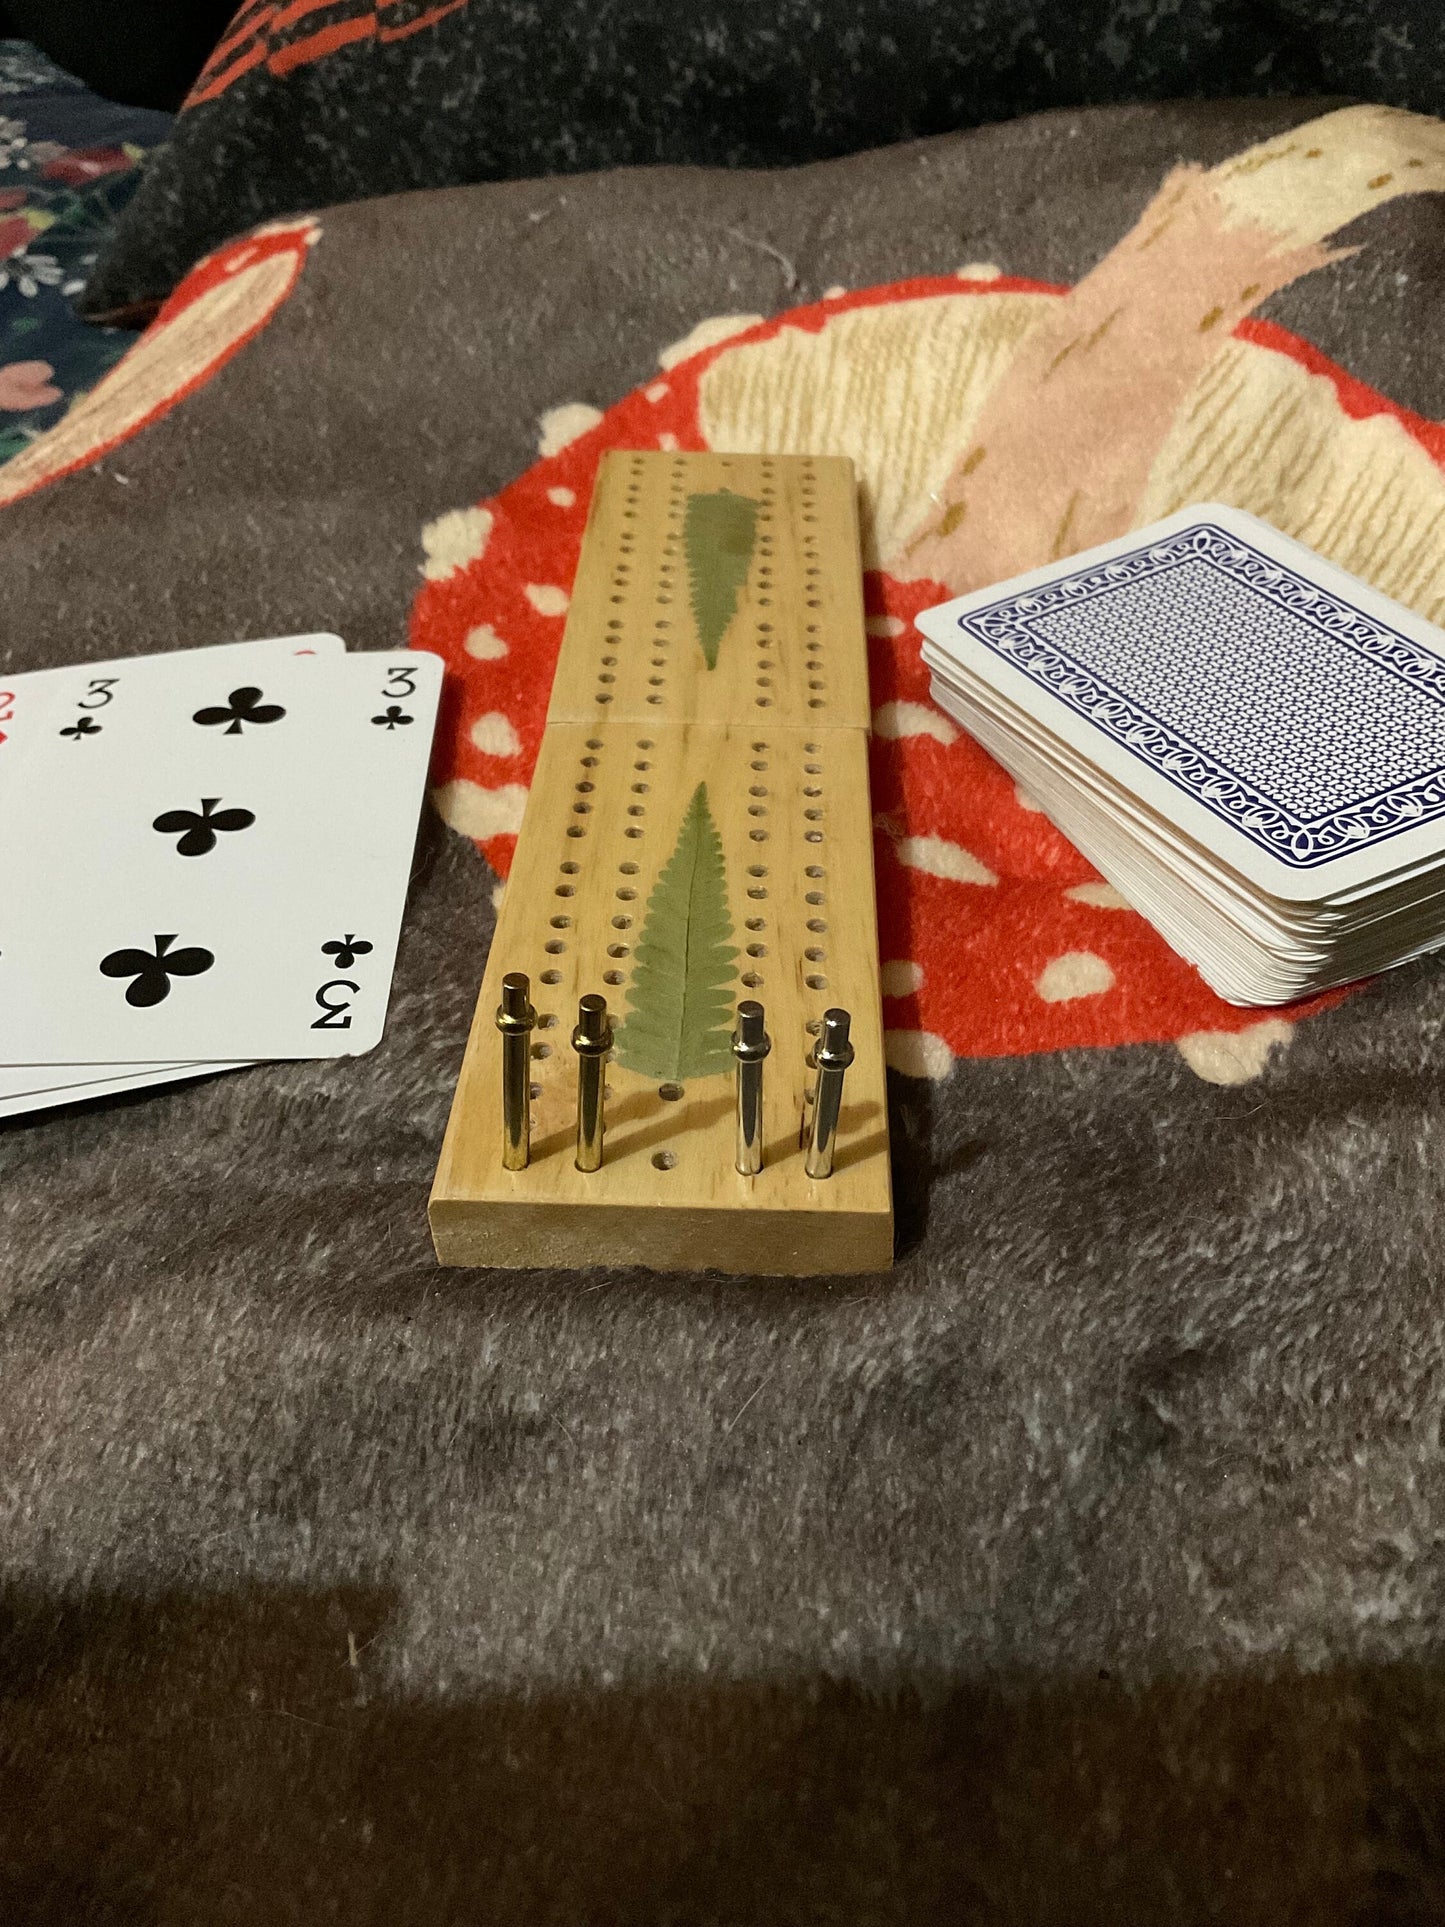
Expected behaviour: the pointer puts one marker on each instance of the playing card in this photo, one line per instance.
(228, 879)
(73, 699)
(1285, 717)
(90, 1081)
(67, 694)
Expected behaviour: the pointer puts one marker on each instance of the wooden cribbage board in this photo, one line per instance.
(777, 730)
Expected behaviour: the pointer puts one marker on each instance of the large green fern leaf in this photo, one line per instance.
(717, 537)
(680, 997)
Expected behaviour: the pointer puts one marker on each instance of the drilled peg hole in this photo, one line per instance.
(664, 1160)
(816, 983)
(551, 977)
(751, 979)
(541, 1050)
(669, 1093)
(554, 947)
(612, 977)
(618, 950)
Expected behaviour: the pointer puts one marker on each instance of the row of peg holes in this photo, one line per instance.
(812, 600)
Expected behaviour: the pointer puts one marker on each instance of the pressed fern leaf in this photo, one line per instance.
(717, 538)
(680, 997)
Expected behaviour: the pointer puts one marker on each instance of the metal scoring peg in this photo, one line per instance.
(833, 1055)
(516, 1020)
(751, 1045)
(592, 1040)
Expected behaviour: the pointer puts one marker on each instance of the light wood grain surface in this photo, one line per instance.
(781, 753)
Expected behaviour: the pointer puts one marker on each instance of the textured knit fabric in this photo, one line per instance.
(1087, 1567)
(302, 106)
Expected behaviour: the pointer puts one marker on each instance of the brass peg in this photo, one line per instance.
(833, 1055)
(751, 1045)
(515, 1020)
(592, 1039)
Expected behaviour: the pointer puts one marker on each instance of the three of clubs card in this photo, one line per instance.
(1246, 741)
(210, 854)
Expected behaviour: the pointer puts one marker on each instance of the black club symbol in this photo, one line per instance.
(346, 950)
(240, 707)
(391, 717)
(198, 828)
(153, 970)
(82, 726)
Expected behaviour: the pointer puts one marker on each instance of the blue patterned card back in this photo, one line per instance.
(1308, 725)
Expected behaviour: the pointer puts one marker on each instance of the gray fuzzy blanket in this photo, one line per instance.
(1088, 1567)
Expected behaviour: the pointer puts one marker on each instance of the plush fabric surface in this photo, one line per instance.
(1085, 1567)
(302, 106)
(69, 162)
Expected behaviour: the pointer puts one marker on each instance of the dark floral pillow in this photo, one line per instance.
(69, 162)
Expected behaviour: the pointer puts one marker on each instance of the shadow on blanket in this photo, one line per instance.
(164, 1755)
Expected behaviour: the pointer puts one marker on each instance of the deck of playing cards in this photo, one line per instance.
(1248, 743)
(207, 860)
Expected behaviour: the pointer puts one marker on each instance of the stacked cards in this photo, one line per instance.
(207, 860)
(1245, 740)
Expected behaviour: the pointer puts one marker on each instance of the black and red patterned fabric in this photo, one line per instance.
(306, 103)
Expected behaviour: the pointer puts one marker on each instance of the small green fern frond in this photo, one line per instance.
(680, 997)
(717, 537)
